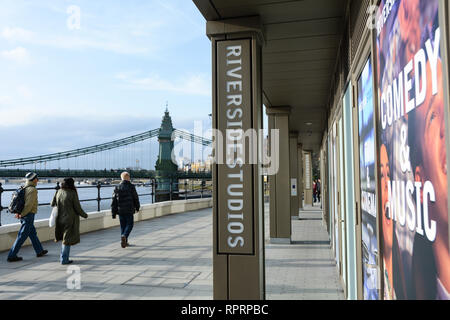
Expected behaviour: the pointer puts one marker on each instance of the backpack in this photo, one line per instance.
(17, 201)
(115, 204)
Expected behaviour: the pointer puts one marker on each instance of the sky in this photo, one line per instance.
(81, 72)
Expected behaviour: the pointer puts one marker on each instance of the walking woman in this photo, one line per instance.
(68, 220)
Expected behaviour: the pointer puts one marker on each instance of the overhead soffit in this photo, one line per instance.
(299, 56)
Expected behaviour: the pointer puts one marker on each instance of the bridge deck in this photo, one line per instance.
(169, 258)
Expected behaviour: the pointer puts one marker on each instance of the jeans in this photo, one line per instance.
(26, 230)
(126, 225)
(65, 251)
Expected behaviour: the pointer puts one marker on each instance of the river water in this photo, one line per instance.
(46, 196)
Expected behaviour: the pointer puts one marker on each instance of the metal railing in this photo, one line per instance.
(193, 189)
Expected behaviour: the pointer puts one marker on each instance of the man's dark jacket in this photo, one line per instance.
(125, 199)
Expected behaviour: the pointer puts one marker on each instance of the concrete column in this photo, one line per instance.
(293, 170)
(308, 185)
(280, 184)
(238, 207)
(300, 175)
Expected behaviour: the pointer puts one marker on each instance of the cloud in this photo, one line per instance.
(17, 116)
(5, 100)
(146, 28)
(19, 55)
(21, 115)
(100, 43)
(32, 131)
(141, 30)
(25, 92)
(24, 114)
(179, 15)
(194, 84)
(61, 133)
(87, 39)
(16, 34)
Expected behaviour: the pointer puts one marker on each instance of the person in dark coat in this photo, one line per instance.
(318, 190)
(67, 226)
(125, 203)
(314, 191)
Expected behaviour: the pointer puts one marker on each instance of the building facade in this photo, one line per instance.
(365, 84)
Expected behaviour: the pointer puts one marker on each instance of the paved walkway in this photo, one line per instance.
(169, 258)
(305, 269)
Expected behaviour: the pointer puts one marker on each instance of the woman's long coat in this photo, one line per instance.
(67, 226)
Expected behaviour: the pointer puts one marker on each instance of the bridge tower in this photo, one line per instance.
(165, 169)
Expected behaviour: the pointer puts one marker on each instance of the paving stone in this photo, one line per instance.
(124, 292)
(201, 285)
(144, 281)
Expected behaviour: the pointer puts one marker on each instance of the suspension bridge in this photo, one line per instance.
(105, 158)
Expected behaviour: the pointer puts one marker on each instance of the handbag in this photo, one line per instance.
(53, 216)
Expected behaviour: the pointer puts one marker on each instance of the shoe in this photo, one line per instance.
(15, 259)
(43, 253)
(68, 262)
(123, 242)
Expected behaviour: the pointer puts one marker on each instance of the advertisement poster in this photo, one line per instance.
(368, 187)
(412, 151)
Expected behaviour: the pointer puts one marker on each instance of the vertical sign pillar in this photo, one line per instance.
(308, 187)
(280, 183)
(238, 205)
(300, 175)
(293, 160)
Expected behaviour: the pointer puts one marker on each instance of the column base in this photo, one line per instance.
(280, 240)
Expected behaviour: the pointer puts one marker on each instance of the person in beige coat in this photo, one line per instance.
(26, 217)
(67, 227)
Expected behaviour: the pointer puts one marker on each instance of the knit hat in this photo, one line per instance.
(31, 176)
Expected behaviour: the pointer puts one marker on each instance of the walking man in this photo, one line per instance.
(314, 191)
(125, 203)
(27, 220)
(318, 189)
